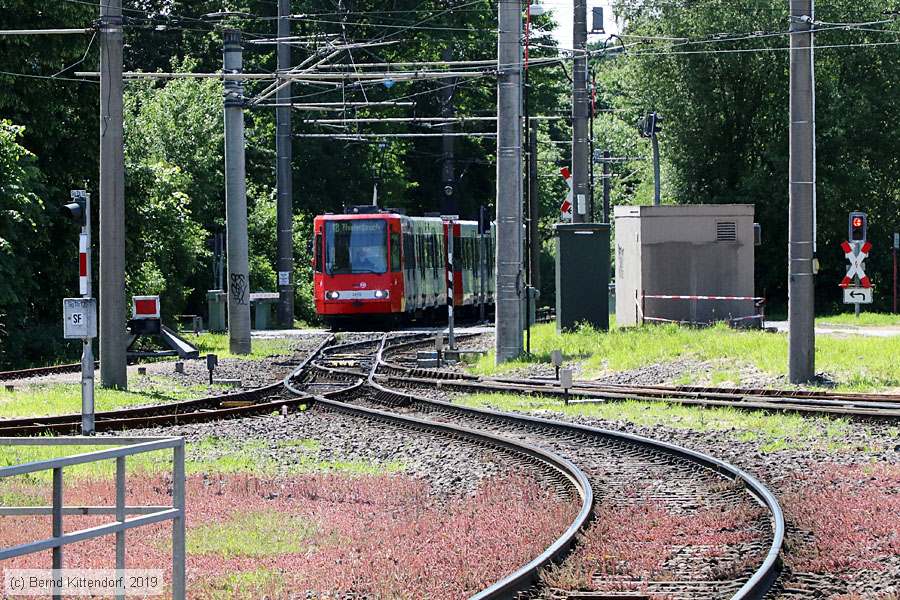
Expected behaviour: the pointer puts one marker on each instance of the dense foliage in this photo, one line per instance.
(724, 137)
(723, 92)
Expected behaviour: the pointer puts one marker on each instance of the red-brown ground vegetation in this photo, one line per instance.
(382, 536)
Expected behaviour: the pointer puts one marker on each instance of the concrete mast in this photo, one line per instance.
(581, 159)
(284, 176)
(509, 182)
(113, 351)
(801, 300)
(236, 200)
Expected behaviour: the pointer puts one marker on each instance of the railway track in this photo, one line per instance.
(879, 406)
(346, 378)
(676, 480)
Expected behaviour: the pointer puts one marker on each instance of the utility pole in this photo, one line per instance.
(284, 175)
(113, 351)
(236, 200)
(801, 303)
(606, 185)
(534, 212)
(581, 157)
(509, 182)
(449, 205)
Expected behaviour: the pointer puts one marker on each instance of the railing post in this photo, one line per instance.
(120, 517)
(57, 526)
(178, 551)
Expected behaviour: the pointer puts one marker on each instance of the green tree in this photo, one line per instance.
(722, 87)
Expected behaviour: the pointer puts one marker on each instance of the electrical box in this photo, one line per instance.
(582, 275)
(688, 253)
(79, 318)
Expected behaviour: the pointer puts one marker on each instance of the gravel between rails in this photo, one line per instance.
(449, 466)
(623, 476)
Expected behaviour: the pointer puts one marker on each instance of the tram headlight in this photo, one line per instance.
(332, 295)
(382, 294)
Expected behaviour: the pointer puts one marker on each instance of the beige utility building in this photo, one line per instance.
(684, 250)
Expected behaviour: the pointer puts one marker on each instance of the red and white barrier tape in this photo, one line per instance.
(667, 297)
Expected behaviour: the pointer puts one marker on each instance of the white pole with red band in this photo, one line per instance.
(84, 265)
(85, 289)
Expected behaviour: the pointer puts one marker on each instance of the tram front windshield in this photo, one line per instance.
(357, 246)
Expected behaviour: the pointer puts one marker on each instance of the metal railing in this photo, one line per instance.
(147, 514)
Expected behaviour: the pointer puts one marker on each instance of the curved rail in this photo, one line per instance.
(761, 580)
(173, 413)
(526, 574)
(877, 406)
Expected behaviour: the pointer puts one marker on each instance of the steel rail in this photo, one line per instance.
(877, 406)
(174, 413)
(762, 579)
(526, 574)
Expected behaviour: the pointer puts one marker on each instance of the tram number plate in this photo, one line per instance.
(358, 294)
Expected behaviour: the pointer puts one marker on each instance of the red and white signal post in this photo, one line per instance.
(80, 314)
(857, 285)
(567, 206)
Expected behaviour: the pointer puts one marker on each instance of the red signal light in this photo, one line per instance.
(857, 221)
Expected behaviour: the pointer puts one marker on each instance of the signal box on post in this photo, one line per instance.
(857, 227)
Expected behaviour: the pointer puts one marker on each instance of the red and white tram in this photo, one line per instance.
(375, 262)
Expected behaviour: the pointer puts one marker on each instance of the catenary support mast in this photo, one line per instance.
(236, 201)
(113, 351)
(509, 182)
(801, 307)
(284, 176)
(581, 159)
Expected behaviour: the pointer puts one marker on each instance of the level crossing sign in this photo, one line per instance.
(857, 285)
(566, 208)
(856, 253)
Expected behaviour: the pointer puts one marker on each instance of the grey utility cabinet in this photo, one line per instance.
(582, 275)
(684, 250)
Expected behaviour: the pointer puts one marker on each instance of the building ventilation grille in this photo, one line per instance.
(726, 231)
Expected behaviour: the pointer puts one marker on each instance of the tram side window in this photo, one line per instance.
(395, 251)
(409, 252)
(317, 253)
(420, 246)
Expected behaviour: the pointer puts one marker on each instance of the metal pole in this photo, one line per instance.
(801, 307)
(534, 212)
(896, 236)
(509, 182)
(178, 529)
(57, 527)
(449, 205)
(483, 261)
(120, 517)
(87, 349)
(284, 176)
(236, 201)
(580, 104)
(451, 339)
(113, 372)
(655, 143)
(590, 160)
(606, 185)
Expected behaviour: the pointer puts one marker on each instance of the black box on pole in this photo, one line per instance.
(582, 275)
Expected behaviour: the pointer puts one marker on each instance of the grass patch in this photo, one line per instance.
(248, 585)
(19, 498)
(856, 362)
(217, 343)
(771, 432)
(209, 455)
(65, 398)
(148, 462)
(253, 535)
(865, 319)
